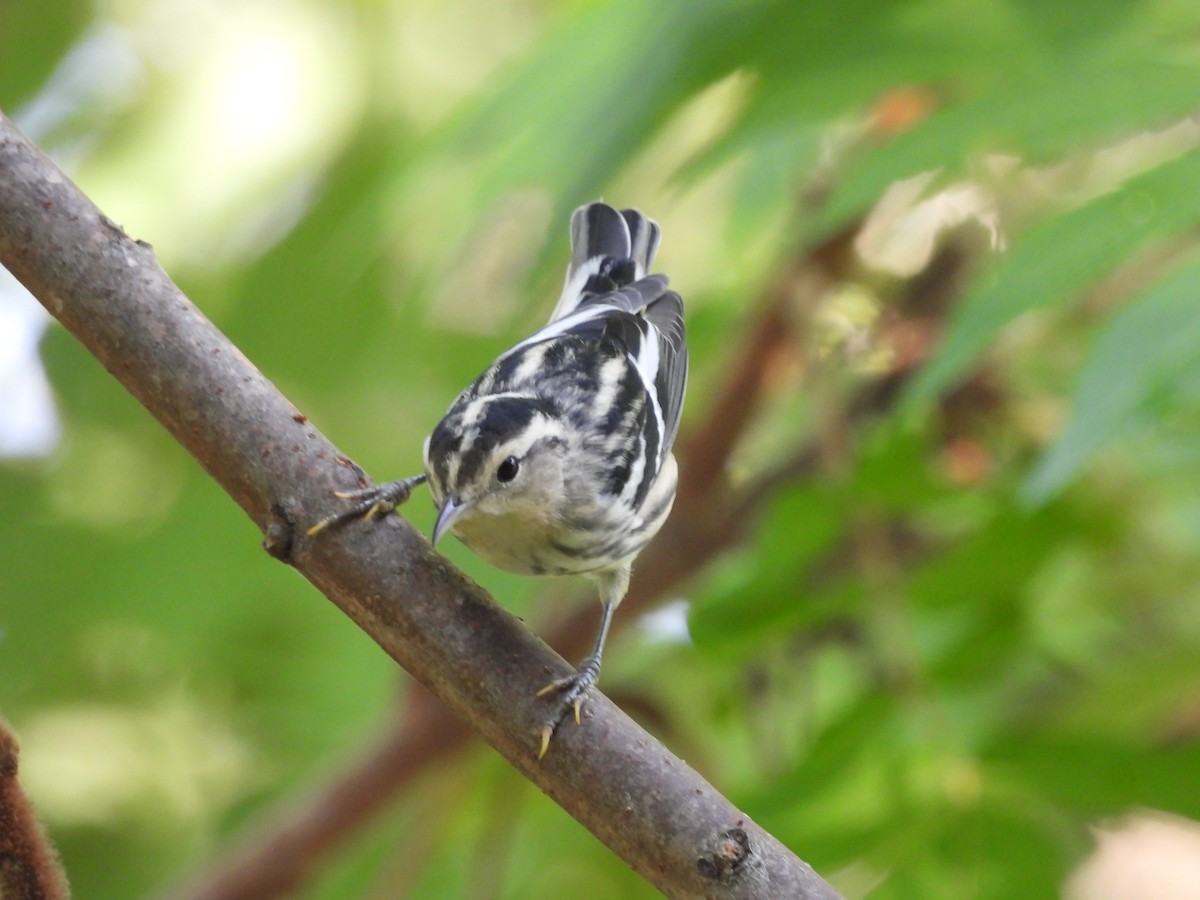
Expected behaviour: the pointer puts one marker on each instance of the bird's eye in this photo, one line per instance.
(508, 469)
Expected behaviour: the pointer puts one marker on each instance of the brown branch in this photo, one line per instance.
(29, 869)
(657, 814)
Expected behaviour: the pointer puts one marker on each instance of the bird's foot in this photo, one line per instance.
(376, 500)
(572, 690)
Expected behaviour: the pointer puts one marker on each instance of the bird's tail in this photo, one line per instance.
(609, 250)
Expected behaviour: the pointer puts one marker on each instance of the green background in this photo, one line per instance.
(966, 634)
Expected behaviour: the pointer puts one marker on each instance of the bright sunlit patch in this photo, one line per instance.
(115, 481)
(1145, 854)
(98, 763)
(247, 101)
(668, 624)
(902, 231)
(29, 424)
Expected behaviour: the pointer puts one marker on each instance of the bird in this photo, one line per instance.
(557, 459)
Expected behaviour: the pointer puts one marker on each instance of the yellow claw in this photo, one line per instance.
(577, 703)
(320, 526)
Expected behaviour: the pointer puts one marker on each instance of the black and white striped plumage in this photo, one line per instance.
(557, 459)
(595, 396)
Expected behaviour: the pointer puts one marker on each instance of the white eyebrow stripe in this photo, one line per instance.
(470, 425)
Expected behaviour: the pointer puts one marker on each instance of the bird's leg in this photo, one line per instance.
(573, 688)
(378, 499)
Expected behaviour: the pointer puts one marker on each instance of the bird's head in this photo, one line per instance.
(499, 456)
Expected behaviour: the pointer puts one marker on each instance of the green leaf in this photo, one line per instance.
(769, 591)
(1129, 379)
(1101, 776)
(32, 43)
(1060, 257)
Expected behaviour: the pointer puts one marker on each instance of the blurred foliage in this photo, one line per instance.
(968, 632)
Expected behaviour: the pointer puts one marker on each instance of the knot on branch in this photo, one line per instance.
(727, 856)
(278, 534)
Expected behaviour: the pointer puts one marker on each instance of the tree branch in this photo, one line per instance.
(28, 867)
(658, 815)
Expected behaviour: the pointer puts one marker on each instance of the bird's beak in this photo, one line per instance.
(450, 513)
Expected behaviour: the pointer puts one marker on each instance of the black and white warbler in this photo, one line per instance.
(557, 459)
